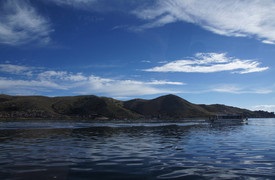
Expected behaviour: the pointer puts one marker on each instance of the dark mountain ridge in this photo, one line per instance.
(169, 106)
(103, 108)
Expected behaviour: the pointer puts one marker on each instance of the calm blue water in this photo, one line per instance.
(66, 150)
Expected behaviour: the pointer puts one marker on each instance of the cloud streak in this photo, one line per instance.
(82, 4)
(49, 81)
(20, 23)
(251, 18)
(236, 89)
(14, 69)
(25, 80)
(210, 63)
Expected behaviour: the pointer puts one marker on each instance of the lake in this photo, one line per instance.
(85, 150)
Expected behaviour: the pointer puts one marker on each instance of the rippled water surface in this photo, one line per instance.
(83, 150)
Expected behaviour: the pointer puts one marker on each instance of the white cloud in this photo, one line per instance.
(210, 63)
(115, 87)
(228, 88)
(83, 4)
(51, 74)
(269, 108)
(237, 89)
(248, 18)
(163, 62)
(20, 23)
(121, 87)
(51, 82)
(14, 69)
(61, 75)
(18, 85)
(145, 61)
(103, 6)
(161, 82)
(43, 81)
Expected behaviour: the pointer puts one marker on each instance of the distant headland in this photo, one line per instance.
(90, 107)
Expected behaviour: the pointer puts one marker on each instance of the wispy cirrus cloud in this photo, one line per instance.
(20, 23)
(49, 81)
(82, 4)
(102, 5)
(237, 18)
(239, 89)
(210, 63)
(162, 82)
(124, 88)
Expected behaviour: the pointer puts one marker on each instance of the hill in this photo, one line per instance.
(94, 107)
(166, 107)
(75, 107)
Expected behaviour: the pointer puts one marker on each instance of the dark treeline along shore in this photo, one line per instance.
(90, 107)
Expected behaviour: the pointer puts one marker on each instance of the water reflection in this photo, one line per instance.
(173, 131)
(134, 151)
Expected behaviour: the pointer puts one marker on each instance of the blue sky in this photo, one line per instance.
(207, 52)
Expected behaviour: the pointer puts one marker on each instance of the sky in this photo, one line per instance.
(207, 52)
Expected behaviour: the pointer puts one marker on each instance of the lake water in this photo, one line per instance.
(83, 150)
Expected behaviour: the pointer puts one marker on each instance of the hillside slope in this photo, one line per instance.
(83, 107)
(94, 107)
(169, 106)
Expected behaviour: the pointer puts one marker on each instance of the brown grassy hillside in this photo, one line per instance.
(94, 107)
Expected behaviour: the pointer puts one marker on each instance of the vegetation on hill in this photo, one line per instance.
(94, 107)
(166, 107)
